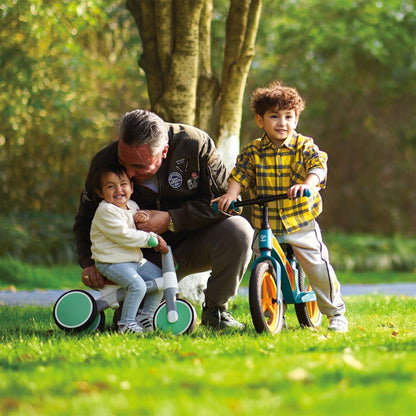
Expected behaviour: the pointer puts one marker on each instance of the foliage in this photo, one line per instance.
(38, 238)
(368, 371)
(359, 252)
(66, 75)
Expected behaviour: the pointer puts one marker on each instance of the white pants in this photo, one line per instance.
(313, 256)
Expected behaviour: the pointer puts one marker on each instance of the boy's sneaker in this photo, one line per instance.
(145, 321)
(219, 318)
(338, 323)
(131, 328)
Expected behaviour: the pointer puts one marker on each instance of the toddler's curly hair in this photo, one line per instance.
(276, 96)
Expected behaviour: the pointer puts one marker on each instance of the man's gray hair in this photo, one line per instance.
(140, 127)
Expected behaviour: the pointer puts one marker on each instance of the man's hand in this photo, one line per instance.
(158, 222)
(92, 278)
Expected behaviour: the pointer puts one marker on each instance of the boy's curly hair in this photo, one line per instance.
(276, 96)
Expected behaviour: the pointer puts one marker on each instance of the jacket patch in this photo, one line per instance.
(182, 165)
(175, 180)
(85, 197)
(193, 181)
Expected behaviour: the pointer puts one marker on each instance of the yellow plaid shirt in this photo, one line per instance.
(265, 169)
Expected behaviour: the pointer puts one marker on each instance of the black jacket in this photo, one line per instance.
(190, 176)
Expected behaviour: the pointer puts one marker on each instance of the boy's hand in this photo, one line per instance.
(297, 191)
(141, 216)
(224, 202)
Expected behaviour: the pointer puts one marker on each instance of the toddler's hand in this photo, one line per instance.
(162, 247)
(141, 216)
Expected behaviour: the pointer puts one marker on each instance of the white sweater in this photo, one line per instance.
(114, 236)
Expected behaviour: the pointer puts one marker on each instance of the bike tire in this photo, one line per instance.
(186, 318)
(265, 299)
(75, 310)
(98, 323)
(308, 314)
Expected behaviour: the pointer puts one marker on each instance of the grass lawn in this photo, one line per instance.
(371, 370)
(28, 277)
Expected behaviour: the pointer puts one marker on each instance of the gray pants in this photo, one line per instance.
(224, 248)
(313, 256)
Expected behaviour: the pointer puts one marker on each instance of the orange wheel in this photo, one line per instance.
(266, 305)
(308, 313)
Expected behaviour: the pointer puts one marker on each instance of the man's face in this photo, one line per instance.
(139, 162)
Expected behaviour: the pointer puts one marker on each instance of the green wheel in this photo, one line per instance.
(186, 318)
(265, 299)
(98, 323)
(75, 310)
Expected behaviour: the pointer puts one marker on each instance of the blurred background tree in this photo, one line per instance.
(69, 69)
(67, 72)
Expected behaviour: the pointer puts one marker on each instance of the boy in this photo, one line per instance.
(285, 161)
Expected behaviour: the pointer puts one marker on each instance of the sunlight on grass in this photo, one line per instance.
(371, 370)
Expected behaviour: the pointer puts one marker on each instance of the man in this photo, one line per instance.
(176, 172)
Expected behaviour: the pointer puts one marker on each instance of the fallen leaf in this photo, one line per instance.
(299, 374)
(353, 362)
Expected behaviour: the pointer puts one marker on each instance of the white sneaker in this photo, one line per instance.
(338, 323)
(145, 321)
(132, 327)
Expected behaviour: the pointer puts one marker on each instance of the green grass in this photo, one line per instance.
(371, 370)
(14, 273)
(17, 274)
(376, 277)
(363, 277)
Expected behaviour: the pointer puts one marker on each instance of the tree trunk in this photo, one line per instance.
(176, 58)
(242, 24)
(170, 36)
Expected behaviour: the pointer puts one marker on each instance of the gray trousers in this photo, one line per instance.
(313, 256)
(225, 249)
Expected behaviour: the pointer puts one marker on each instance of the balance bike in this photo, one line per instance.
(79, 310)
(277, 279)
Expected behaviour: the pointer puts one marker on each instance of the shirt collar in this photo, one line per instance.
(290, 142)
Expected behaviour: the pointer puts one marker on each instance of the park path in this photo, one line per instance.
(48, 297)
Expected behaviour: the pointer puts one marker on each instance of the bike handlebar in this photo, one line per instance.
(260, 200)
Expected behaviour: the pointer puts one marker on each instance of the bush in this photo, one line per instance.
(361, 253)
(38, 238)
